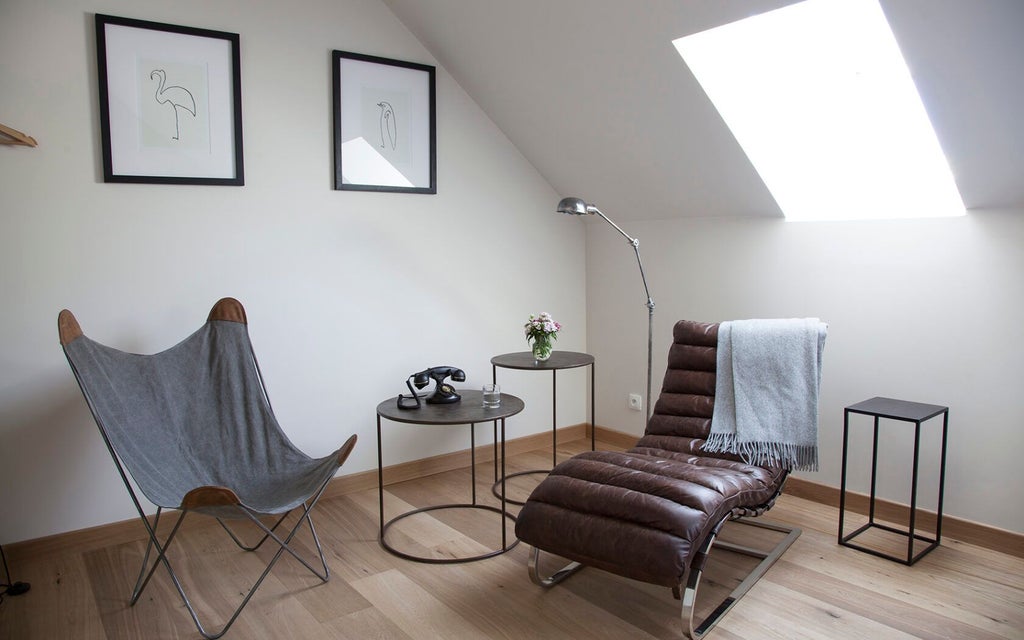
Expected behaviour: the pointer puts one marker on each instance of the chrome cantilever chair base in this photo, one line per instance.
(689, 593)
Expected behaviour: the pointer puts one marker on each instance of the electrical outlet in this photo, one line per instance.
(635, 402)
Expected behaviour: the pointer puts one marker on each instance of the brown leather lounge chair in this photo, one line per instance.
(652, 513)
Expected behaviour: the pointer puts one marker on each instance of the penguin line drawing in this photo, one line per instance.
(388, 126)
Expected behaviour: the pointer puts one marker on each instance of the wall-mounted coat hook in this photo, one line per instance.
(13, 136)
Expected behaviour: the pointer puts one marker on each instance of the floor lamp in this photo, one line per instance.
(577, 207)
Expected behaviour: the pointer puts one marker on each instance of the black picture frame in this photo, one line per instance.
(385, 124)
(170, 103)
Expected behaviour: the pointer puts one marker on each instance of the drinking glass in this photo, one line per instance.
(492, 396)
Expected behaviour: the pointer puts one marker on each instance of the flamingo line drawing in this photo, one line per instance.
(177, 97)
(388, 125)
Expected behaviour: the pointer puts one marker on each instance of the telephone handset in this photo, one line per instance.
(444, 393)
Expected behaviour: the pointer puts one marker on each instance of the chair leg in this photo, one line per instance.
(554, 578)
(259, 544)
(268, 532)
(139, 585)
(282, 547)
(768, 558)
(144, 576)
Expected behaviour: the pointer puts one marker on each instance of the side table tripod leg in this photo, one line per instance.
(504, 507)
(554, 418)
(494, 442)
(593, 421)
(380, 480)
(472, 459)
(494, 425)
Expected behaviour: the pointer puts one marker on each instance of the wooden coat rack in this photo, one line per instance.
(13, 136)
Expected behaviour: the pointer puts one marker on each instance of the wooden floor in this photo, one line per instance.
(817, 590)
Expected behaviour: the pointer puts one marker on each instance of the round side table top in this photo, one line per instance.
(469, 410)
(558, 360)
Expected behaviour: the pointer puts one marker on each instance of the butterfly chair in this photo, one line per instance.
(652, 513)
(194, 429)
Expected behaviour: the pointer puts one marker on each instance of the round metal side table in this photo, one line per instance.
(524, 360)
(469, 411)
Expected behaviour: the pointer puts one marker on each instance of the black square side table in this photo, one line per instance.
(904, 411)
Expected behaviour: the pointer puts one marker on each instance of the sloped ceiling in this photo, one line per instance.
(593, 93)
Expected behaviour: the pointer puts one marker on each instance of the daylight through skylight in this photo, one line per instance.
(820, 99)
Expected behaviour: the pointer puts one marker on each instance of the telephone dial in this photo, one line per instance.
(444, 393)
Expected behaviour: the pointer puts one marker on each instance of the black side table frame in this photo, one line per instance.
(525, 361)
(904, 411)
(469, 411)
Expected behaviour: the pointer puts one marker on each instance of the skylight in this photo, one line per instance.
(820, 99)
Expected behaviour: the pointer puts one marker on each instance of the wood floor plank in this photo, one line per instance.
(60, 599)
(432, 534)
(412, 609)
(893, 613)
(497, 596)
(349, 538)
(428, 531)
(323, 600)
(801, 617)
(367, 624)
(977, 602)
(649, 608)
(272, 615)
(157, 614)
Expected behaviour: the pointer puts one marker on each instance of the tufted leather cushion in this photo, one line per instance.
(643, 513)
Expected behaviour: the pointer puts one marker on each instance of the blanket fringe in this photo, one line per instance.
(776, 454)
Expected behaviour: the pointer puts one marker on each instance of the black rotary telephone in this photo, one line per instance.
(444, 393)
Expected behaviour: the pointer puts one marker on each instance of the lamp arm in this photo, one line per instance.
(639, 263)
(633, 241)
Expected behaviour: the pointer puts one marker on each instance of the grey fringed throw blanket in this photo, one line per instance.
(766, 391)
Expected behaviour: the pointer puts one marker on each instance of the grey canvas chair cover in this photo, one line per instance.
(195, 430)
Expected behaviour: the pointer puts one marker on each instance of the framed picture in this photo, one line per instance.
(170, 103)
(384, 125)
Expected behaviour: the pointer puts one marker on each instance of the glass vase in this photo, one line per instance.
(541, 349)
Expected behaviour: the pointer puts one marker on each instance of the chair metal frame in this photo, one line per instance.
(268, 532)
(691, 580)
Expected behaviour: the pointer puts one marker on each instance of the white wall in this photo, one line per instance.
(347, 292)
(923, 310)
